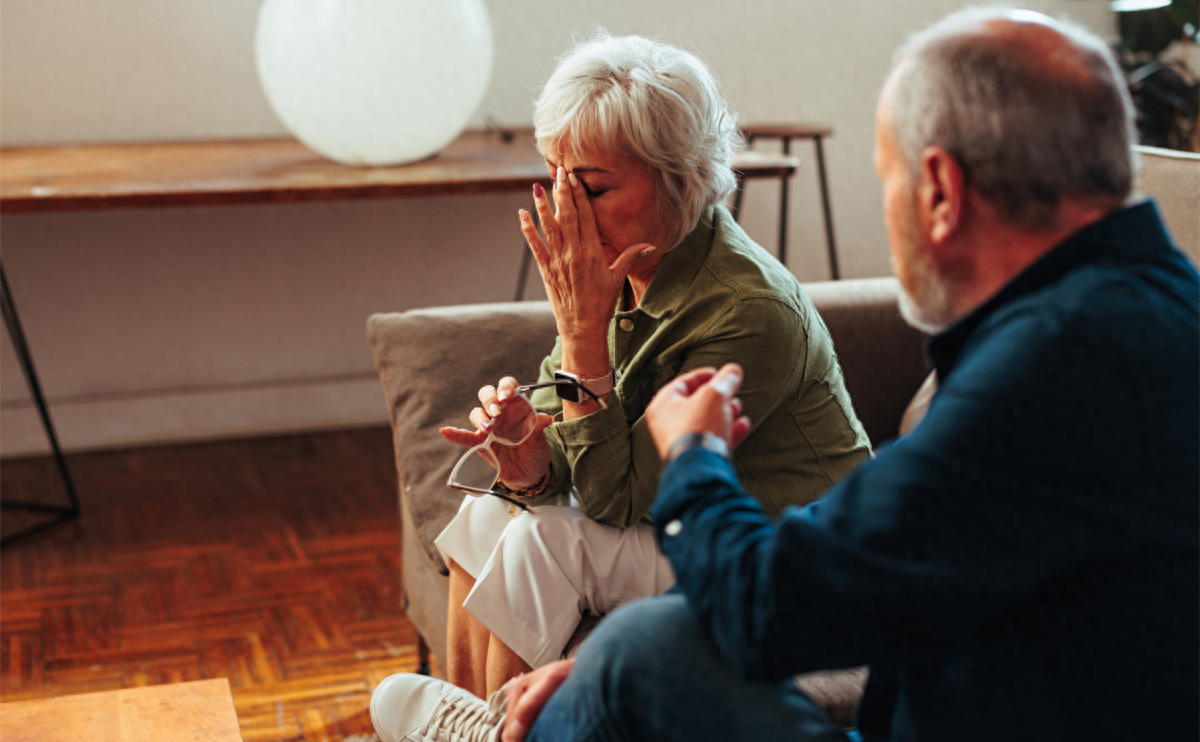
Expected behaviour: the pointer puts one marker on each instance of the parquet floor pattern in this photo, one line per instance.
(272, 562)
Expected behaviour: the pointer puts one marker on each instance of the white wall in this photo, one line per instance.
(190, 323)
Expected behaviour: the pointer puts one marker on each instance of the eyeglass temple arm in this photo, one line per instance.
(493, 493)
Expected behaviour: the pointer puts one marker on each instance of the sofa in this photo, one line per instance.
(432, 361)
(1173, 179)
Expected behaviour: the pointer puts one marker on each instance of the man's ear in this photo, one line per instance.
(940, 194)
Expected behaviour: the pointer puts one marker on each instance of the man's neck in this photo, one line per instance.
(998, 251)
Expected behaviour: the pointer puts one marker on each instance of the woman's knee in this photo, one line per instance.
(539, 537)
(646, 636)
(549, 524)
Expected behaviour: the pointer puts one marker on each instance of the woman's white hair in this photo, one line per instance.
(1026, 134)
(652, 101)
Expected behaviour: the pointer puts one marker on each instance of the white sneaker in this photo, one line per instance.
(418, 708)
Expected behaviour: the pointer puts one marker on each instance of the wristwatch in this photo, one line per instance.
(688, 441)
(599, 386)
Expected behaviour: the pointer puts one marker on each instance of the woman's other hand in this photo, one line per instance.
(527, 696)
(519, 466)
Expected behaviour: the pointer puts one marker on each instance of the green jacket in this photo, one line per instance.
(717, 297)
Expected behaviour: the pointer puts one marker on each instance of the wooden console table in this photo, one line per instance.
(200, 710)
(265, 171)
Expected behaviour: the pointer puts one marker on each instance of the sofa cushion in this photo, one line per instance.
(915, 412)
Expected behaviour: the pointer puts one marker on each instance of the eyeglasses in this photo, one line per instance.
(477, 472)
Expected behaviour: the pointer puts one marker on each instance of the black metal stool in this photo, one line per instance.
(788, 132)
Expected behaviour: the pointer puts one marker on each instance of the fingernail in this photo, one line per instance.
(503, 395)
(494, 409)
(727, 382)
(562, 174)
(649, 250)
(574, 181)
(538, 191)
(522, 215)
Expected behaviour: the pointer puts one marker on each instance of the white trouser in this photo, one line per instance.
(536, 573)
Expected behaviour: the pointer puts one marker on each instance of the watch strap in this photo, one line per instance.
(688, 441)
(599, 386)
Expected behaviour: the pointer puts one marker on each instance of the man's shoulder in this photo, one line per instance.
(1104, 297)
(1099, 328)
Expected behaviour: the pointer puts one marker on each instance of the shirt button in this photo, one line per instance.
(673, 528)
(626, 324)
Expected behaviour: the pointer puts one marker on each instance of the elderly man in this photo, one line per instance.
(1025, 565)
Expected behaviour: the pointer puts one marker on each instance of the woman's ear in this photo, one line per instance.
(940, 194)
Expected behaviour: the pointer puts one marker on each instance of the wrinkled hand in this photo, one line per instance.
(527, 696)
(520, 466)
(699, 401)
(582, 287)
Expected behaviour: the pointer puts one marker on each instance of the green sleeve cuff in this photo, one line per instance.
(593, 429)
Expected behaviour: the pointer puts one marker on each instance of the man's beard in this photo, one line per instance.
(926, 301)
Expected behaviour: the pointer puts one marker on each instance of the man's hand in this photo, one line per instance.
(699, 401)
(527, 695)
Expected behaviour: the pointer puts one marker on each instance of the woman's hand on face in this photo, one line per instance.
(582, 287)
(520, 466)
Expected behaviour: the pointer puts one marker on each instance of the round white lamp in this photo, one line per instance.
(374, 82)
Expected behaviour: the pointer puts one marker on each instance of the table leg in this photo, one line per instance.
(833, 260)
(61, 513)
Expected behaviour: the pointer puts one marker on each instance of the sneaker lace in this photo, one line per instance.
(466, 719)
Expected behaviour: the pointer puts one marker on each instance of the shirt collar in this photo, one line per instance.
(680, 266)
(1128, 235)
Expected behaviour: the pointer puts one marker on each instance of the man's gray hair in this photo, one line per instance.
(652, 101)
(1026, 133)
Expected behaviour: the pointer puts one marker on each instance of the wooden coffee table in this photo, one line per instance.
(201, 710)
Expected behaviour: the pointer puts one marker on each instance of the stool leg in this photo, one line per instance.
(783, 205)
(526, 258)
(523, 275)
(737, 198)
(833, 260)
(422, 656)
(738, 192)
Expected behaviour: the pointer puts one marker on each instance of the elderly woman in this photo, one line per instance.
(648, 276)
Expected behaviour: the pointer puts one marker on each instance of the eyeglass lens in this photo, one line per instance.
(477, 469)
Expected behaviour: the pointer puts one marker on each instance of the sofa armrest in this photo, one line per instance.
(431, 362)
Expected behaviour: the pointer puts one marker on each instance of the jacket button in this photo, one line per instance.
(626, 324)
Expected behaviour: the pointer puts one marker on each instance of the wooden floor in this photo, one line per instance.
(271, 562)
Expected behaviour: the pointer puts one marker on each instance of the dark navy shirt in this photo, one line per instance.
(1025, 565)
